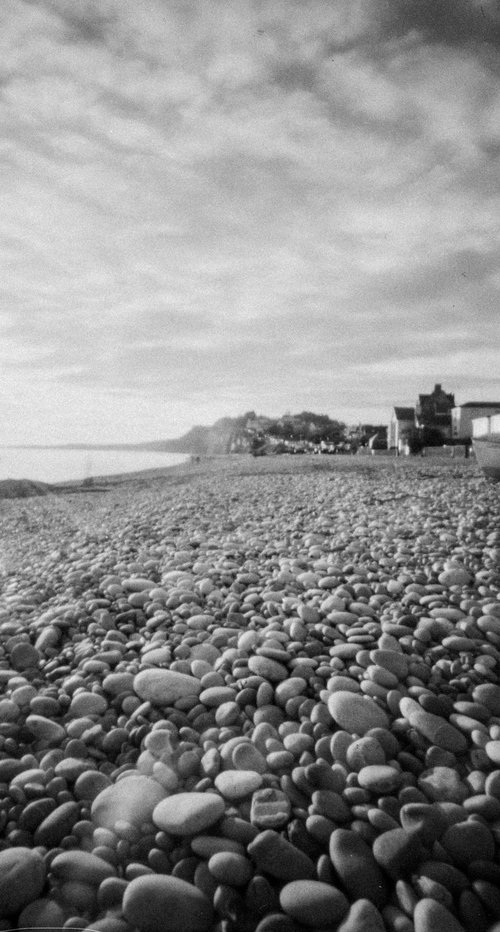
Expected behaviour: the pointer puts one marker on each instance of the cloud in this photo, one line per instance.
(215, 206)
(451, 22)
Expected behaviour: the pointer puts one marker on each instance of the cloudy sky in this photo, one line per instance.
(209, 206)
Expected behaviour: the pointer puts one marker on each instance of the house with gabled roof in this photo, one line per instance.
(401, 424)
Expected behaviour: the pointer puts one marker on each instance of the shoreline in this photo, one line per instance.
(243, 462)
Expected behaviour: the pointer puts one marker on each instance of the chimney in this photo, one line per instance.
(437, 388)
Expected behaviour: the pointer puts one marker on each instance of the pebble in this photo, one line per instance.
(488, 694)
(356, 714)
(398, 852)
(188, 813)
(44, 730)
(313, 903)
(434, 727)
(42, 913)
(454, 576)
(363, 752)
(231, 868)
(427, 819)
(89, 784)
(276, 856)
(492, 749)
(22, 879)
(57, 825)
(236, 784)
(355, 865)
(379, 778)
(207, 845)
(159, 903)
(393, 660)
(165, 687)
(117, 683)
(270, 669)
(442, 784)
(81, 865)
(23, 656)
(469, 841)
(247, 757)
(132, 799)
(85, 703)
(430, 915)
(363, 916)
(270, 808)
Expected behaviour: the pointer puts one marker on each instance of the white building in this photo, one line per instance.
(463, 415)
(401, 424)
(485, 426)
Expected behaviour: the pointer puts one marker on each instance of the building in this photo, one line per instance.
(433, 414)
(463, 415)
(401, 424)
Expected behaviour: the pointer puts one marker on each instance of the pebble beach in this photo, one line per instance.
(253, 695)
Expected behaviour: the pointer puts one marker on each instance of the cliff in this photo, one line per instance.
(200, 440)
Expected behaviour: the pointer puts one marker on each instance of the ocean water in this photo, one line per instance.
(57, 465)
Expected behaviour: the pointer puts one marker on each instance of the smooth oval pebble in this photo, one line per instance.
(379, 778)
(165, 687)
(116, 683)
(431, 916)
(22, 879)
(236, 784)
(469, 841)
(45, 730)
(356, 714)
(398, 852)
(356, 867)
(86, 703)
(363, 916)
(394, 661)
(231, 868)
(217, 695)
(70, 768)
(492, 749)
(207, 845)
(188, 813)
(364, 751)
(276, 856)
(81, 865)
(42, 913)
(56, 825)
(488, 694)
(270, 669)
(90, 783)
(433, 727)
(132, 799)
(247, 757)
(425, 818)
(313, 903)
(160, 903)
(24, 655)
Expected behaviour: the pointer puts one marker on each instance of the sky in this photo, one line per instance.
(214, 206)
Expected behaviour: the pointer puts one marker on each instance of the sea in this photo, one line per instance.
(55, 464)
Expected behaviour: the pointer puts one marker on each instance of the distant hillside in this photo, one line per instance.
(239, 434)
(201, 441)
(23, 488)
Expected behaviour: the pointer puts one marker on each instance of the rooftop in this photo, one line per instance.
(480, 404)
